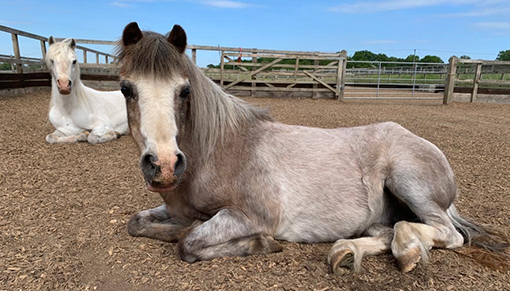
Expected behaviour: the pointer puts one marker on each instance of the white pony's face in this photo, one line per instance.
(62, 62)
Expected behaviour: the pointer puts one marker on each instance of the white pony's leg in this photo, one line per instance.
(59, 137)
(346, 254)
(101, 134)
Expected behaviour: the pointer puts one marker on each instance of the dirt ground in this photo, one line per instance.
(64, 208)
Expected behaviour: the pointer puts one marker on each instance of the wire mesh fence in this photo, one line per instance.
(394, 80)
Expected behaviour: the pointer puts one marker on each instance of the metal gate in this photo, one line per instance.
(367, 80)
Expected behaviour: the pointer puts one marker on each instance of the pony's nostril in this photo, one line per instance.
(147, 165)
(69, 83)
(180, 165)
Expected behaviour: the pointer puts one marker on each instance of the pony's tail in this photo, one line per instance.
(485, 245)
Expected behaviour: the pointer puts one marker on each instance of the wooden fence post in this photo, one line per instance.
(222, 67)
(296, 67)
(97, 58)
(106, 59)
(450, 80)
(17, 55)
(315, 86)
(253, 68)
(476, 81)
(194, 56)
(84, 56)
(43, 49)
(340, 81)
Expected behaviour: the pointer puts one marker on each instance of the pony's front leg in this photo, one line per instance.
(228, 233)
(101, 134)
(155, 223)
(59, 137)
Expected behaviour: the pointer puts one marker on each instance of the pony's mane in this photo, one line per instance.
(57, 49)
(213, 112)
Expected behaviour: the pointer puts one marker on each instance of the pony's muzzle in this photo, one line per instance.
(162, 173)
(64, 86)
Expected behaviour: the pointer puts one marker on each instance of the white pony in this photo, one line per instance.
(77, 112)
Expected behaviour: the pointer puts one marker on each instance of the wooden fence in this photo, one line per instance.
(315, 73)
(470, 73)
(267, 73)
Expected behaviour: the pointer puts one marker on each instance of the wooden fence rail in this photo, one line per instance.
(477, 77)
(18, 61)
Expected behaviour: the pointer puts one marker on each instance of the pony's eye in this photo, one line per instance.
(126, 92)
(74, 62)
(52, 61)
(185, 93)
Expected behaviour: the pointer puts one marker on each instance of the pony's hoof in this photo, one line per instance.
(83, 136)
(50, 138)
(408, 261)
(342, 262)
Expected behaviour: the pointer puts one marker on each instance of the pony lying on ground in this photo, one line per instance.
(77, 112)
(233, 180)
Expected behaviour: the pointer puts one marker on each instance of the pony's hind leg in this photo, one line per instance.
(412, 241)
(155, 223)
(59, 137)
(346, 254)
(101, 134)
(228, 233)
(421, 178)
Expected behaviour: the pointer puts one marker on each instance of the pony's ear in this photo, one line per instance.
(51, 40)
(71, 42)
(178, 38)
(132, 34)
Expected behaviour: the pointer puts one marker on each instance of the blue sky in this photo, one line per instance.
(439, 27)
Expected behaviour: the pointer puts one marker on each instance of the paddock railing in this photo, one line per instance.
(477, 80)
(283, 73)
(18, 61)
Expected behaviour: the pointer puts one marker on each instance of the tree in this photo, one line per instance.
(503, 56)
(465, 57)
(5, 67)
(431, 59)
(364, 56)
(411, 58)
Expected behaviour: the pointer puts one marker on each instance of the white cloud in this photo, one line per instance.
(480, 12)
(120, 4)
(214, 3)
(393, 5)
(226, 4)
(494, 25)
